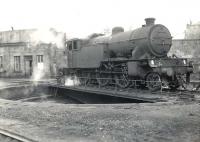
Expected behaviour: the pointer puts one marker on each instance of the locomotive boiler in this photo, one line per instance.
(127, 58)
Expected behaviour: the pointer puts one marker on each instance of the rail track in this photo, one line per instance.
(134, 92)
(6, 136)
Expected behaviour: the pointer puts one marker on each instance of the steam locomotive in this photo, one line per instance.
(125, 58)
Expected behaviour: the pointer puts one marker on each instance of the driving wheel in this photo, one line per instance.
(122, 81)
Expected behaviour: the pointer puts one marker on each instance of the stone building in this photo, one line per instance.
(192, 31)
(24, 53)
(189, 48)
(190, 45)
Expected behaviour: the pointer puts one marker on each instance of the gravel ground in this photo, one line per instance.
(160, 122)
(174, 121)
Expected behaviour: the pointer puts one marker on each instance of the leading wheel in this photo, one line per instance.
(153, 81)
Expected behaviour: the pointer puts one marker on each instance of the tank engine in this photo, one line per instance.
(127, 57)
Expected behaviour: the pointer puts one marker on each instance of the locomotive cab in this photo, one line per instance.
(72, 47)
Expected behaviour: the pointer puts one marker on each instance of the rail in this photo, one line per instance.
(75, 81)
(89, 81)
(10, 136)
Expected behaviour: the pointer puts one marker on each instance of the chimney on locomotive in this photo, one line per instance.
(150, 21)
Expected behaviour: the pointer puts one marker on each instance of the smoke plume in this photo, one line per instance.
(47, 36)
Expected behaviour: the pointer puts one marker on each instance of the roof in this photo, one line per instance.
(16, 36)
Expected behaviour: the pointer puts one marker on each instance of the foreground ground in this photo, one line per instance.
(156, 122)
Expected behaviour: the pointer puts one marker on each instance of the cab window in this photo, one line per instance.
(69, 45)
(75, 45)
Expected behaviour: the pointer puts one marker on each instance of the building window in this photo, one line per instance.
(39, 58)
(17, 66)
(1, 61)
(40, 64)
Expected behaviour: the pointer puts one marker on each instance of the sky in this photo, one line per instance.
(80, 18)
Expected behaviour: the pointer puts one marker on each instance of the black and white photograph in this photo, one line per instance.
(100, 71)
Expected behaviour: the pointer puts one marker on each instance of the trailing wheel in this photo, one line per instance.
(153, 81)
(84, 78)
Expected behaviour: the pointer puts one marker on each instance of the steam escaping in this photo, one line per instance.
(47, 36)
(69, 82)
(182, 54)
(38, 72)
(2, 84)
(72, 81)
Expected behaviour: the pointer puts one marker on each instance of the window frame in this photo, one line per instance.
(74, 45)
(40, 58)
(17, 64)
